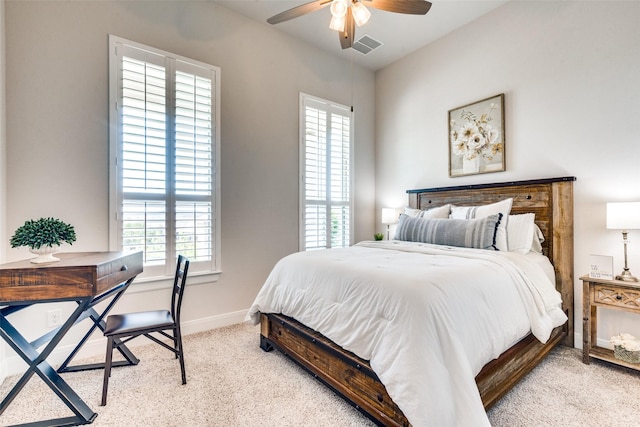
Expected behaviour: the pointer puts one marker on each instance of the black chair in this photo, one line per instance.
(121, 328)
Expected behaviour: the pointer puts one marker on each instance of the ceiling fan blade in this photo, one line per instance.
(348, 35)
(298, 11)
(413, 7)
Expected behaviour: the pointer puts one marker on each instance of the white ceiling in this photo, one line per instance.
(400, 34)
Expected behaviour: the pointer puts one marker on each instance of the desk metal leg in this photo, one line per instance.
(98, 322)
(38, 365)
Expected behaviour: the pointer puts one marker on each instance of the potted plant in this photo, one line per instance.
(378, 236)
(43, 237)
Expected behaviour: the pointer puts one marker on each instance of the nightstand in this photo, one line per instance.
(610, 294)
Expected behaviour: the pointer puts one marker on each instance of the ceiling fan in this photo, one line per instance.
(346, 14)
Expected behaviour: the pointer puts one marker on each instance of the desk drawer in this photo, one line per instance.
(617, 296)
(119, 270)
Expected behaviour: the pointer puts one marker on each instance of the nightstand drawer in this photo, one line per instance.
(617, 296)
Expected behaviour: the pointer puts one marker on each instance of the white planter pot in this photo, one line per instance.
(45, 254)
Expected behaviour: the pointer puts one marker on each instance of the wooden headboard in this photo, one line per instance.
(551, 200)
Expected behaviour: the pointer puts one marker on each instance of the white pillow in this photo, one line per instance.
(520, 232)
(413, 213)
(538, 238)
(439, 212)
(471, 212)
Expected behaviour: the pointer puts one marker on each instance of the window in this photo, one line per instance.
(325, 158)
(164, 152)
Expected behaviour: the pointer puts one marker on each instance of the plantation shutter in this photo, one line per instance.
(194, 163)
(166, 159)
(326, 174)
(144, 155)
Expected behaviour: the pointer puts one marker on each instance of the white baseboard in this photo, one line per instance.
(12, 364)
(577, 339)
(577, 343)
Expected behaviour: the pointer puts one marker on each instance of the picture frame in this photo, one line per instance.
(476, 137)
(601, 267)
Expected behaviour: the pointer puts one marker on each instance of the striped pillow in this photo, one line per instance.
(477, 233)
(470, 212)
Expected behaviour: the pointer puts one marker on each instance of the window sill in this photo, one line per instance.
(148, 284)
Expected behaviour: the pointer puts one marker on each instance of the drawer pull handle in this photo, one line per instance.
(618, 297)
(124, 268)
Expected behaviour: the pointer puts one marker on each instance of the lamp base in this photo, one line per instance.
(626, 276)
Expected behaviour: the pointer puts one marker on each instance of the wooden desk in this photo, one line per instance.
(87, 278)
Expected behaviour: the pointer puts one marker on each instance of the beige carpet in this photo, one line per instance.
(231, 382)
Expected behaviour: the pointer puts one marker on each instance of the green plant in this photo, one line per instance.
(43, 232)
(378, 236)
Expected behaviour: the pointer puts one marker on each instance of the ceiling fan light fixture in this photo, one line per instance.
(339, 8)
(344, 20)
(360, 13)
(337, 23)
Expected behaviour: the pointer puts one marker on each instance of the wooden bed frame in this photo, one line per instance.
(353, 379)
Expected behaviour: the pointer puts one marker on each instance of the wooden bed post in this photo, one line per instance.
(563, 250)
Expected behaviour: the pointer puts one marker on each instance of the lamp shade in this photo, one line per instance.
(337, 23)
(389, 216)
(360, 13)
(339, 8)
(623, 215)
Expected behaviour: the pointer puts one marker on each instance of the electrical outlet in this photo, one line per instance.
(54, 318)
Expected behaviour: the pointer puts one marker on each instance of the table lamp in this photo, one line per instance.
(624, 216)
(389, 216)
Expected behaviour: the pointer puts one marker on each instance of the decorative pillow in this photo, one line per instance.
(467, 233)
(414, 213)
(538, 238)
(470, 212)
(520, 232)
(439, 212)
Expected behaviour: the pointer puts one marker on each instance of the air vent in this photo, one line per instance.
(366, 44)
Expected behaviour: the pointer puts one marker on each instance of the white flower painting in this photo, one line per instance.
(476, 137)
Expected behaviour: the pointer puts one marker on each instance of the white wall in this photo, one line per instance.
(3, 165)
(57, 133)
(569, 70)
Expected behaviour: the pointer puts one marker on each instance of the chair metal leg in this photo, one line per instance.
(107, 370)
(180, 353)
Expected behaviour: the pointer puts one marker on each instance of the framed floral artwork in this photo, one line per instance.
(476, 137)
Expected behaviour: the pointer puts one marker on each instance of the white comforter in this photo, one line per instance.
(427, 317)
